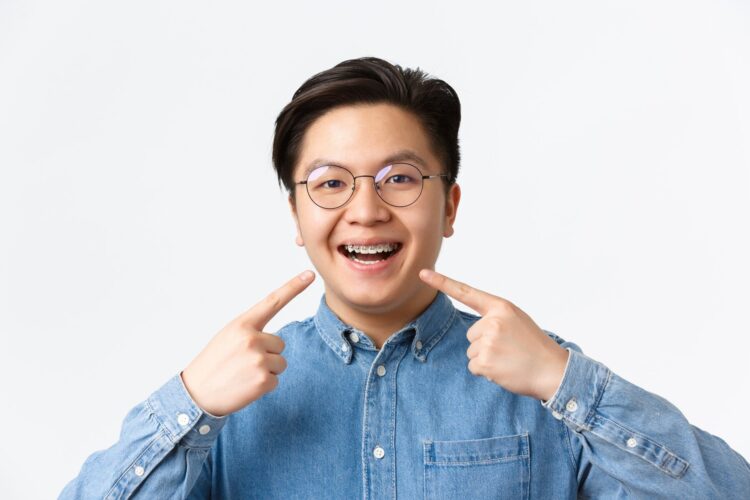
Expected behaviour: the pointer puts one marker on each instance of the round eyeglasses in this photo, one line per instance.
(397, 184)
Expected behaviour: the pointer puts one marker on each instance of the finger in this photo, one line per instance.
(472, 351)
(478, 300)
(473, 367)
(272, 343)
(261, 313)
(275, 363)
(473, 334)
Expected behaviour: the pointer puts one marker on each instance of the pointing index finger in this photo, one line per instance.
(261, 313)
(478, 300)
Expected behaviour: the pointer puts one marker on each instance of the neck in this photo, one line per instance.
(380, 322)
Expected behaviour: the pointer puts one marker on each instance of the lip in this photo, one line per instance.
(370, 269)
(367, 241)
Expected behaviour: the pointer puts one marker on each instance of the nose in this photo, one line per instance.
(365, 206)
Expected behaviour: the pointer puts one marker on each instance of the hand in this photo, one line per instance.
(507, 347)
(241, 363)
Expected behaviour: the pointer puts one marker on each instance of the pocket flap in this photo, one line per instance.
(492, 449)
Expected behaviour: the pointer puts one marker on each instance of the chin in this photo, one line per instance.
(373, 298)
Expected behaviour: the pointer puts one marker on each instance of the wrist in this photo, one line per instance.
(553, 373)
(191, 390)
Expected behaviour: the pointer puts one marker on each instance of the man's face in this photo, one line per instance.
(361, 138)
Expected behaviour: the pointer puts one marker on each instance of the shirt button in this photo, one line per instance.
(571, 405)
(557, 415)
(418, 344)
(344, 346)
(381, 370)
(139, 471)
(378, 452)
(632, 443)
(354, 337)
(183, 419)
(204, 429)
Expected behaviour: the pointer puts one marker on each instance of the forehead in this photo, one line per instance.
(365, 137)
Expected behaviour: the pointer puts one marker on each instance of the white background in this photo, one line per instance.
(605, 175)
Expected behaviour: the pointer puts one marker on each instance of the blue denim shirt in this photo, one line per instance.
(350, 421)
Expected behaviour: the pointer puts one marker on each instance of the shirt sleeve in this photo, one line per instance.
(628, 442)
(163, 444)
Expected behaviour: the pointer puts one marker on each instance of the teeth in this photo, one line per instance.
(366, 262)
(385, 247)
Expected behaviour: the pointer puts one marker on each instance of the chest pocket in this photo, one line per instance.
(495, 467)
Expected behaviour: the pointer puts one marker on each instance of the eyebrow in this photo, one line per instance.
(401, 155)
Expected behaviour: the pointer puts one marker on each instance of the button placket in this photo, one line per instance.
(379, 418)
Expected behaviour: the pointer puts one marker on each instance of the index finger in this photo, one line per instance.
(478, 300)
(261, 313)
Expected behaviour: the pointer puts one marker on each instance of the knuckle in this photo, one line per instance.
(494, 342)
(273, 300)
(495, 322)
(253, 341)
(256, 360)
(271, 381)
(504, 307)
(482, 359)
(282, 344)
(464, 289)
(264, 378)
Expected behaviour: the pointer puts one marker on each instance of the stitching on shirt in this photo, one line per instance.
(365, 468)
(484, 461)
(566, 375)
(669, 455)
(567, 438)
(122, 477)
(160, 422)
(448, 324)
(322, 335)
(599, 394)
(289, 326)
(393, 416)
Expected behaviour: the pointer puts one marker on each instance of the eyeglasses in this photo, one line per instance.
(397, 184)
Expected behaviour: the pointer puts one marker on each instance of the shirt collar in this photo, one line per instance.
(423, 333)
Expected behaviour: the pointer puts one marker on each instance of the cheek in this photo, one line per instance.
(426, 229)
(315, 225)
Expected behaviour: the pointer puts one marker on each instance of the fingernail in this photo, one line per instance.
(306, 276)
(425, 274)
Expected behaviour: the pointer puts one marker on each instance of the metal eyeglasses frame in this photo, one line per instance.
(373, 177)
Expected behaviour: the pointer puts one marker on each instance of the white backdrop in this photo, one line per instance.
(605, 174)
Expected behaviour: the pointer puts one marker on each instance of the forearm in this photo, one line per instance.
(163, 443)
(640, 440)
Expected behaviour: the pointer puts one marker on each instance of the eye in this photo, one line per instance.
(399, 179)
(332, 184)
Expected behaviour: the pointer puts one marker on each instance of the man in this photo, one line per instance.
(377, 398)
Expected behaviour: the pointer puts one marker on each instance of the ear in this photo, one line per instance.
(293, 207)
(451, 207)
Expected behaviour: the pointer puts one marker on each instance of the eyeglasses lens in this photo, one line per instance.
(398, 184)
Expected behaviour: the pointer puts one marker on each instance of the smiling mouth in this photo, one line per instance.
(370, 254)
